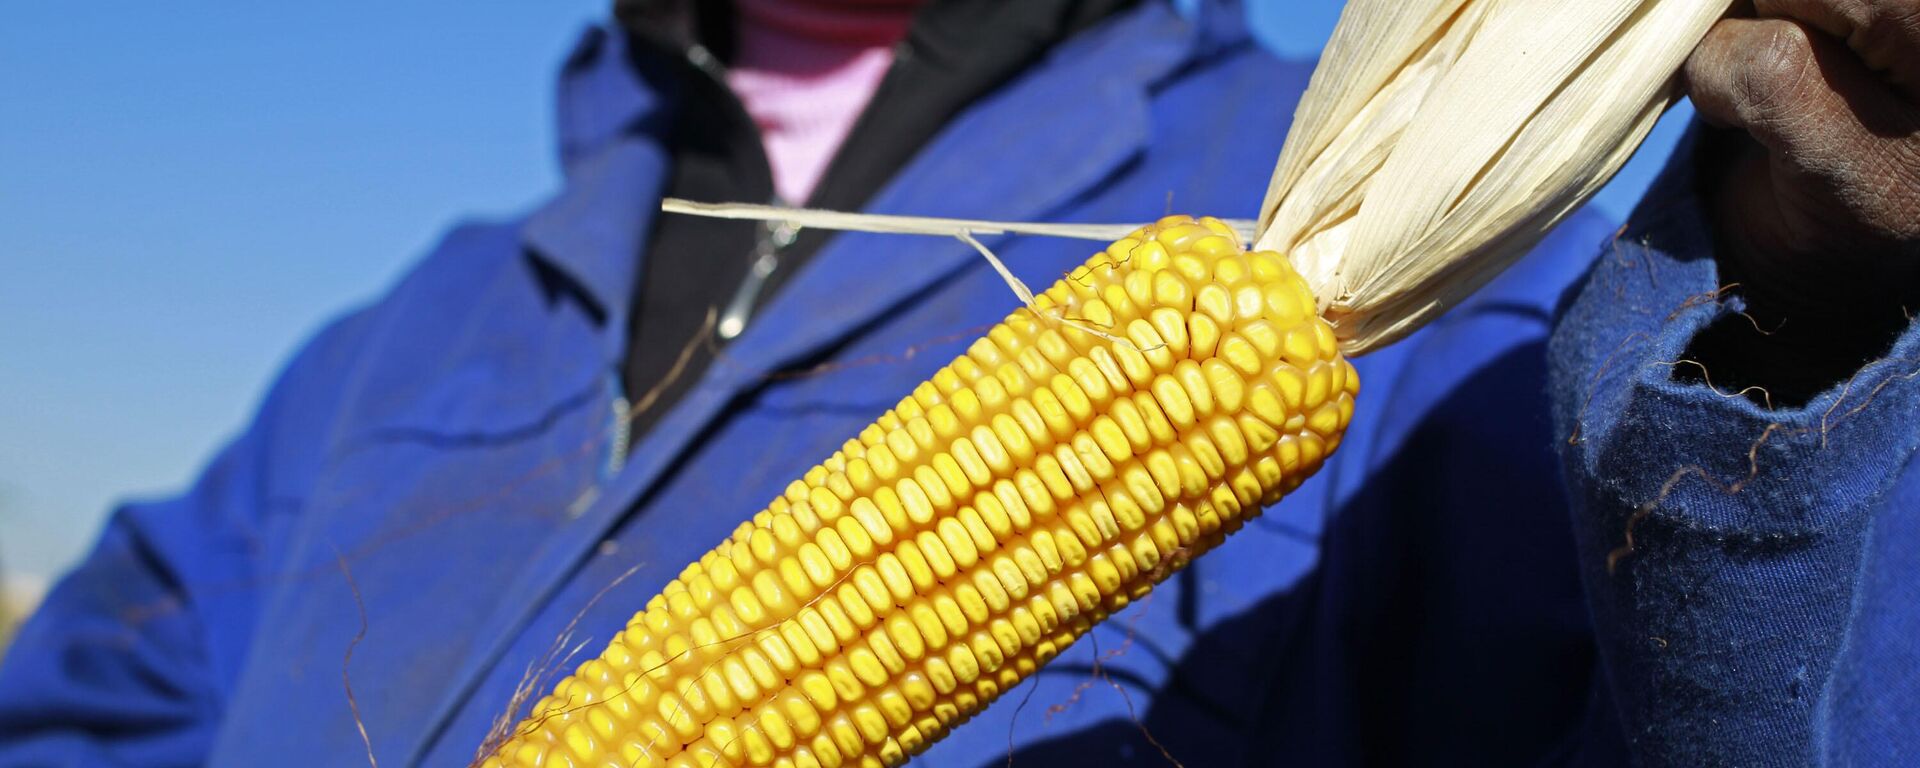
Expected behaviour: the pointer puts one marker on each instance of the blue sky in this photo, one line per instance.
(189, 189)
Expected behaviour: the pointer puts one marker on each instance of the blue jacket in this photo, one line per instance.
(435, 502)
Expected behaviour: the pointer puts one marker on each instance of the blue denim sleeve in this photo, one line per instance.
(1751, 571)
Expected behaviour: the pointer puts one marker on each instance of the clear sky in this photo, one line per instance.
(189, 189)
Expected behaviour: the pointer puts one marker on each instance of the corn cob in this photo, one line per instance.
(1134, 415)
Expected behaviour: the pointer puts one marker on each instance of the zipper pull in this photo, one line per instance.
(774, 237)
(704, 60)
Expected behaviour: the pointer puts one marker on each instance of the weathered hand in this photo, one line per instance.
(1816, 199)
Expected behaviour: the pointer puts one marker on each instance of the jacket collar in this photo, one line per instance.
(615, 95)
(613, 119)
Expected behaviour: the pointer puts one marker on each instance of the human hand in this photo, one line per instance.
(1816, 199)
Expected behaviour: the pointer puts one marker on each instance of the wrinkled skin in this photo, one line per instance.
(1814, 183)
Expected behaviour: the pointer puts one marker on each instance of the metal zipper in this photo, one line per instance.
(774, 237)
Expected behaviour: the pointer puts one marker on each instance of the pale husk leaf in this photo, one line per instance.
(1441, 139)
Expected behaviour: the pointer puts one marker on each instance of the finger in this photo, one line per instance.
(1883, 33)
(1796, 91)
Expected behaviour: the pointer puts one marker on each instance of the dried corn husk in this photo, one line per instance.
(1441, 139)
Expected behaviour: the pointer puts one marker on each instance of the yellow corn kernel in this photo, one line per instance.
(1036, 484)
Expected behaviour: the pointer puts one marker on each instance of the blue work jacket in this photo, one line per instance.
(437, 501)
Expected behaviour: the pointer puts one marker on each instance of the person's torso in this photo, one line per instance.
(480, 506)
